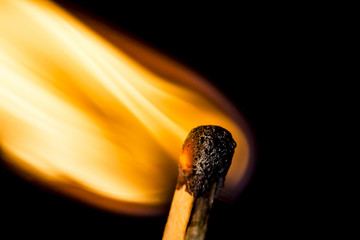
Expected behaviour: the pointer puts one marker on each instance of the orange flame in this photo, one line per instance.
(99, 123)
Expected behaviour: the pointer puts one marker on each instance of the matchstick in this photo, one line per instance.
(204, 162)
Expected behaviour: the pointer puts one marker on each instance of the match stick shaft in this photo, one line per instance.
(179, 215)
(188, 216)
(197, 226)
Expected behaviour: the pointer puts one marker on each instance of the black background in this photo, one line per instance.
(248, 54)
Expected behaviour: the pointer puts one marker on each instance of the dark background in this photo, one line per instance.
(248, 54)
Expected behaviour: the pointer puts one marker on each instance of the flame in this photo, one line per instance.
(97, 122)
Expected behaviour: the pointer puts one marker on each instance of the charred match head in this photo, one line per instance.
(205, 158)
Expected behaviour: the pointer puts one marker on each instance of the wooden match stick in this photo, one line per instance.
(204, 162)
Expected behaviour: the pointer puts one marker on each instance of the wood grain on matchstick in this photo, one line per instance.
(179, 215)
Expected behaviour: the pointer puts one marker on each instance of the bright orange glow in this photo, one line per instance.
(185, 160)
(89, 119)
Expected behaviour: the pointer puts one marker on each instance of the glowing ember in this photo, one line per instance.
(83, 117)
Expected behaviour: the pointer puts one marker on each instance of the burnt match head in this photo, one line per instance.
(205, 158)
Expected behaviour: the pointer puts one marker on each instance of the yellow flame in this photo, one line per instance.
(88, 119)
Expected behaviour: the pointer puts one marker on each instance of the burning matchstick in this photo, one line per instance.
(204, 162)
